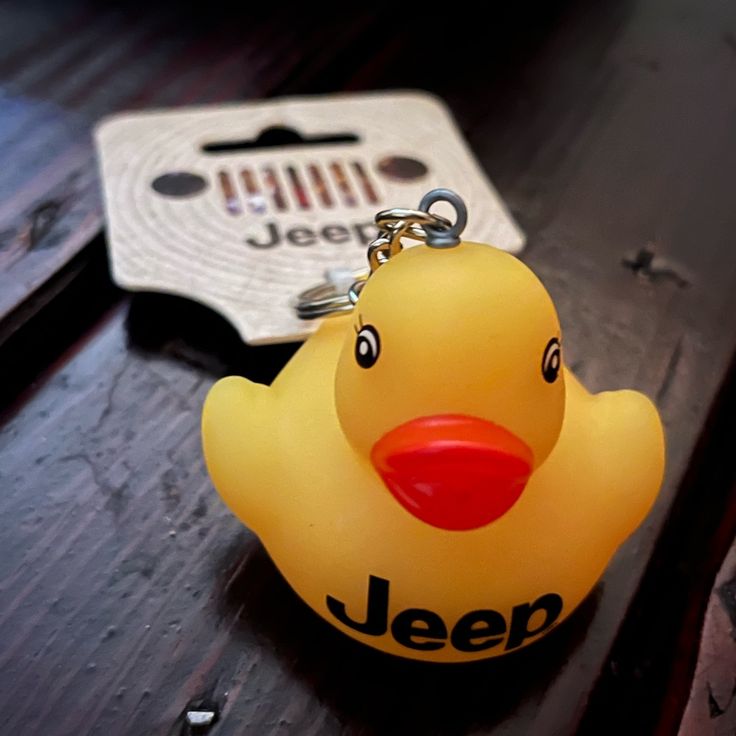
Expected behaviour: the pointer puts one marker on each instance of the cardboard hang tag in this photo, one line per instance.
(243, 207)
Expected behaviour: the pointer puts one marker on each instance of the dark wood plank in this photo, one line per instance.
(128, 592)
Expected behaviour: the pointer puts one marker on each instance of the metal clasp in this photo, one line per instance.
(325, 300)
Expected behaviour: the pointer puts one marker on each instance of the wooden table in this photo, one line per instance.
(128, 594)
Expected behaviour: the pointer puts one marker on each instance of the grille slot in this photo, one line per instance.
(319, 186)
(369, 190)
(253, 195)
(300, 193)
(273, 188)
(343, 184)
(232, 201)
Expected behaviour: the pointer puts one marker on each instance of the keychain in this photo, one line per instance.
(425, 472)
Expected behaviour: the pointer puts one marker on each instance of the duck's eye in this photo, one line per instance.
(551, 360)
(367, 346)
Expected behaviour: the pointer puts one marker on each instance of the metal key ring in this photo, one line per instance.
(418, 218)
(394, 224)
(444, 237)
(324, 299)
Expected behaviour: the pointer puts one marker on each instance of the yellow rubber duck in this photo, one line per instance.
(425, 472)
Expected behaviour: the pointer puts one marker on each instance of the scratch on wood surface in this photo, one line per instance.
(647, 265)
(116, 495)
(714, 709)
(34, 233)
(727, 595)
(670, 371)
(109, 399)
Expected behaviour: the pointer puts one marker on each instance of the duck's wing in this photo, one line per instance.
(239, 444)
(622, 442)
(249, 430)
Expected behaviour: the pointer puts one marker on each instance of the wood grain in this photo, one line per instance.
(128, 592)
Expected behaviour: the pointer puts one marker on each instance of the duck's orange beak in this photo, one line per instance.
(452, 471)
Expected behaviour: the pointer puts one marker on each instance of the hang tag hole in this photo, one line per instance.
(402, 168)
(179, 184)
(279, 137)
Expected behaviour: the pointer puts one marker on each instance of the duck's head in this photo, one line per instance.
(451, 381)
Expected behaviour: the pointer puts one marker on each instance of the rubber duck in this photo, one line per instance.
(425, 472)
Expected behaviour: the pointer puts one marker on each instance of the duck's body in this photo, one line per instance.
(281, 460)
